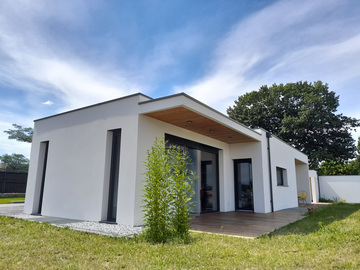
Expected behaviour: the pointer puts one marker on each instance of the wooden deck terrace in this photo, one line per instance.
(247, 224)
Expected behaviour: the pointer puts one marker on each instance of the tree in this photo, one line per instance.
(329, 167)
(167, 193)
(302, 114)
(352, 167)
(20, 133)
(358, 150)
(15, 161)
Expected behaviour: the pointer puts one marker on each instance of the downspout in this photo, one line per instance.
(268, 136)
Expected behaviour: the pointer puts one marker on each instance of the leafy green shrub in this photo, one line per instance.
(330, 167)
(167, 193)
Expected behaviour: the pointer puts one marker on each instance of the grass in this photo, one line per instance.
(10, 199)
(329, 238)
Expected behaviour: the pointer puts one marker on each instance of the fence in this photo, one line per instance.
(340, 187)
(335, 187)
(13, 181)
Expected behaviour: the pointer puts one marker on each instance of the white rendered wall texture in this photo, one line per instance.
(340, 187)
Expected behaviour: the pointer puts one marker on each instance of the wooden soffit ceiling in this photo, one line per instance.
(190, 120)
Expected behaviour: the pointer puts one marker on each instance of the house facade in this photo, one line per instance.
(88, 163)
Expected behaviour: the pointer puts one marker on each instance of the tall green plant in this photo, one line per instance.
(181, 188)
(156, 199)
(167, 193)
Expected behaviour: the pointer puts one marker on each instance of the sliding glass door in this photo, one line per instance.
(204, 161)
(209, 185)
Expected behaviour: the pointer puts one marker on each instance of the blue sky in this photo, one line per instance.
(61, 55)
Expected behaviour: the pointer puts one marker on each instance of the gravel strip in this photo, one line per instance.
(22, 216)
(114, 230)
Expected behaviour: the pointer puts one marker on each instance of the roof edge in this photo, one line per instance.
(287, 143)
(202, 104)
(94, 105)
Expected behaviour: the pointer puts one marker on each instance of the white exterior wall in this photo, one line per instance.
(265, 171)
(340, 187)
(303, 181)
(77, 173)
(284, 156)
(254, 152)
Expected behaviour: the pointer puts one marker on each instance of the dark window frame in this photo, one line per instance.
(43, 177)
(172, 139)
(114, 172)
(281, 177)
(236, 179)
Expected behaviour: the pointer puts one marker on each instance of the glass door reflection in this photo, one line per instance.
(243, 185)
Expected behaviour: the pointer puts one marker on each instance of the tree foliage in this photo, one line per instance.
(20, 133)
(167, 193)
(329, 167)
(15, 161)
(302, 114)
(352, 167)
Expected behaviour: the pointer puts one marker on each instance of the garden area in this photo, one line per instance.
(328, 238)
(7, 200)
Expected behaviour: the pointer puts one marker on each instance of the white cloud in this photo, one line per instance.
(286, 42)
(80, 84)
(49, 103)
(34, 62)
(170, 49)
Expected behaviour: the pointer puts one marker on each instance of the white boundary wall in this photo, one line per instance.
(341, 187)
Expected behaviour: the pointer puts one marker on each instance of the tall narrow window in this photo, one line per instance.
(44, 147)
(114, 175)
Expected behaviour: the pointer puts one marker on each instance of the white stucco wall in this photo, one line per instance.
(77, 158)
(295, 164)
(340, 187)
(254, 152)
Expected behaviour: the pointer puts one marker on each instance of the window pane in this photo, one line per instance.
(279, 176)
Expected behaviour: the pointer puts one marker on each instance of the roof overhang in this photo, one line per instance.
(184, 117)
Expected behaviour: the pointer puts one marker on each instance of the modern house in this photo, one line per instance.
(88, 163)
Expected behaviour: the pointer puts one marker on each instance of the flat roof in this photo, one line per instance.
(93, 105)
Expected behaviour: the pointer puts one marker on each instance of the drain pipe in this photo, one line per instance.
(268, 136)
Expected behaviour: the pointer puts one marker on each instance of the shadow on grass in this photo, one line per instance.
(320, 217)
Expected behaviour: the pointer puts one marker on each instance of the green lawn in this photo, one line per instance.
(327, 239)
(10, 199)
